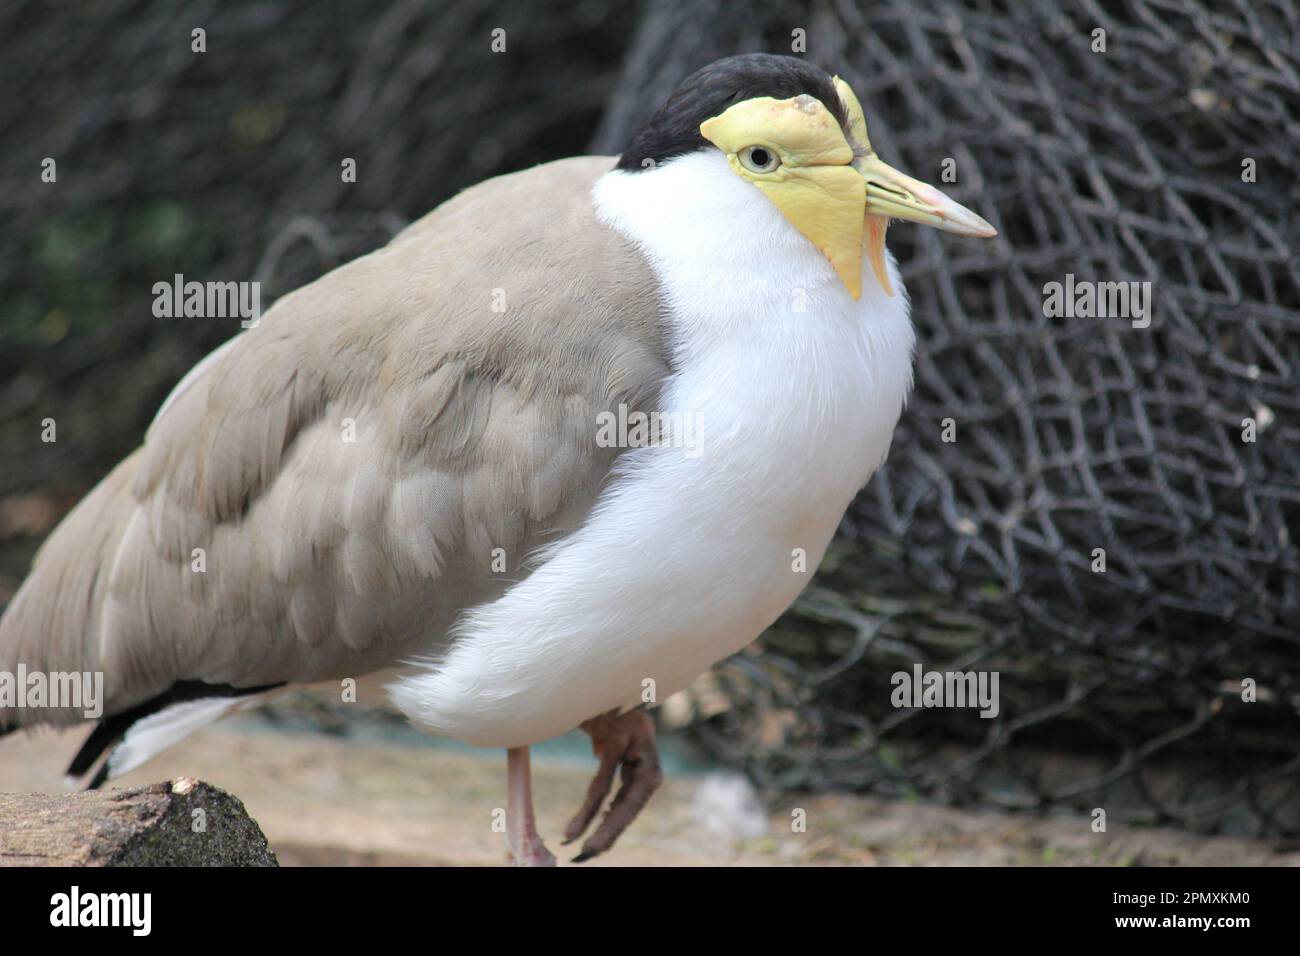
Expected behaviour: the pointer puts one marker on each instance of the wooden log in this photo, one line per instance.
(184, 822)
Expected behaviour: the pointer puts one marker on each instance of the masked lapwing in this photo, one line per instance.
(556, 449)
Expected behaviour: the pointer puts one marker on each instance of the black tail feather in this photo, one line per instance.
(100, 776)
(110, 730)
(106, 733)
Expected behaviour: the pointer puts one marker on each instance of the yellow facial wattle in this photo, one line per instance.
(831, 187)
(815, 187)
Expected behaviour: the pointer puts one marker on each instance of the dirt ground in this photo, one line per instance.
(341, 801)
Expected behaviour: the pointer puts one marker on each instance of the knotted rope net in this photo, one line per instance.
(1102, 510)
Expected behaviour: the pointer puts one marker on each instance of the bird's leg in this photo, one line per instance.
(624, 741)
(526, 847)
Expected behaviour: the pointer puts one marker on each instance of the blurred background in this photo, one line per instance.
(1165, 148)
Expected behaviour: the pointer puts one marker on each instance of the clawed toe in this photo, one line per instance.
(625, 742)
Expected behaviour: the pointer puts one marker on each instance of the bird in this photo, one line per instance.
(560, 446)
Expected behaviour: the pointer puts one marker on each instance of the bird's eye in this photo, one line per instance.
(759, 159)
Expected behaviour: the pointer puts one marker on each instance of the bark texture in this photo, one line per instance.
(183, 822)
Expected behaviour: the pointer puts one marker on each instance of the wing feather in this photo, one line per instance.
(327, 491)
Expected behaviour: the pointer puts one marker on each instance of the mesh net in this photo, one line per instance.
(1169, 158)
(1120, 689)
(210, 164)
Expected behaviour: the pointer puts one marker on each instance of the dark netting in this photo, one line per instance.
(1120, 689)
(174, 161)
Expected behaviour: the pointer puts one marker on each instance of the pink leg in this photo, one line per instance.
(526, 847)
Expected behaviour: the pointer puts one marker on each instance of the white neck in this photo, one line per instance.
(757, 314)
(729, 262)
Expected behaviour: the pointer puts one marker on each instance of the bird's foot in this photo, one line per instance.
(529, 851)
(625, 742)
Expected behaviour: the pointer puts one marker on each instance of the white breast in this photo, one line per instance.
(795, 390)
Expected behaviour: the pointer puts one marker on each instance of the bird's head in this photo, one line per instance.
(800, 136)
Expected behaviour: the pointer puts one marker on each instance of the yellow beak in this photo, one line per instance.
(895, 195)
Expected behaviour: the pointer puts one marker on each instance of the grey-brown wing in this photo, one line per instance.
(335, 485)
